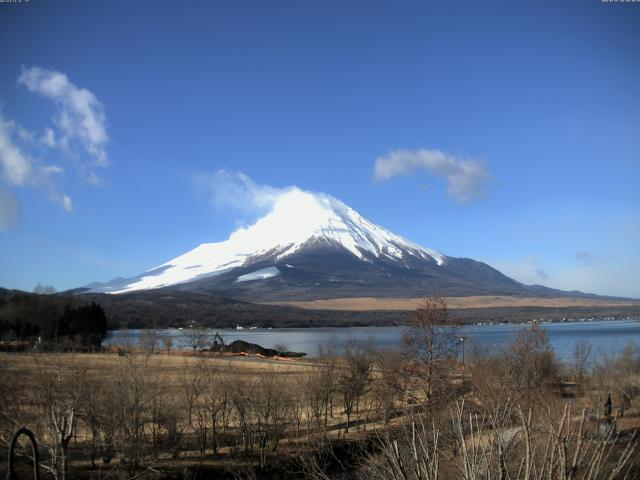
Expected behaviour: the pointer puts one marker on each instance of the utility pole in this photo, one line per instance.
(462, 340)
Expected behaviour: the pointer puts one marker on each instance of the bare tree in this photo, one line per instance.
(432, 345)
(149, 340)
(170, 426)
(389, 385)
(167, 342)
(562, 448)
(617, 373)
(43, 289)
(272, 408)
(581, 362)
(12, 399)
(197, 338)
(533, 360)
(59, 400)
(241, 396)
(131, 395)
(216, 396)
(194, 386)
(320, 388)
(297, 404)
(415, 453)
(353, 380)
(498, 386)
(110, 420)
(92, 401)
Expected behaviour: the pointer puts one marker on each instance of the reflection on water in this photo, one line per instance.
(604, 336)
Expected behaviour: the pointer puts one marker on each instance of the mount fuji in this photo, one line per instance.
(313, 246)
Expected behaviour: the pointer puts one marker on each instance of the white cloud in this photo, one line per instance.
(80, 121)
(16, 166)
(66, 203)
(78, 131)
(18, 169)
(9, 210)
(233, 189)
(49, 138)
(57, 169)
(466, 177)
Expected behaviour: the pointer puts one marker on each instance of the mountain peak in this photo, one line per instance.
(297, 220)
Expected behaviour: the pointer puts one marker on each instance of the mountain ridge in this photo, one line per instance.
(313, 246)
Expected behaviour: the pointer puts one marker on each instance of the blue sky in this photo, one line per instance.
(508, 132)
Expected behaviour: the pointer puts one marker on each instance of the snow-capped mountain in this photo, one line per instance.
(314, 246)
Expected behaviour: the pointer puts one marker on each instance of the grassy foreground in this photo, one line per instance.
(375, 415)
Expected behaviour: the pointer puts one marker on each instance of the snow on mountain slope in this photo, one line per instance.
(297, 219)
(261, 274)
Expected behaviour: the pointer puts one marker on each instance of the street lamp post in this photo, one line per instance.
(462, 340)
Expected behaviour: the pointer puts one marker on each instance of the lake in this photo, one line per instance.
(608, 336)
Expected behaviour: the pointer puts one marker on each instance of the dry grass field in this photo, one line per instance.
(169, 366)
(165, 414)
(169, 370)
(371, 303)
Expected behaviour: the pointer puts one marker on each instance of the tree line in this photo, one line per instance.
(51, 321)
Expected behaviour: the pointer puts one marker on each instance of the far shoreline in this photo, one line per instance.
(405, 325)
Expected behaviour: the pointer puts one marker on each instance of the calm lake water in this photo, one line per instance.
(605, 336)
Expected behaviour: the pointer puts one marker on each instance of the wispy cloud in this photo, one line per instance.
(19, 169)
(527, 270)
(16, 166)
(586, 258)
(616, 276)
(9, 210)
(77, 132)
(466, 177)
(80, 123)
(233, 189)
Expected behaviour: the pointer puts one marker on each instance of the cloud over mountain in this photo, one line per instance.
(233, 189)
